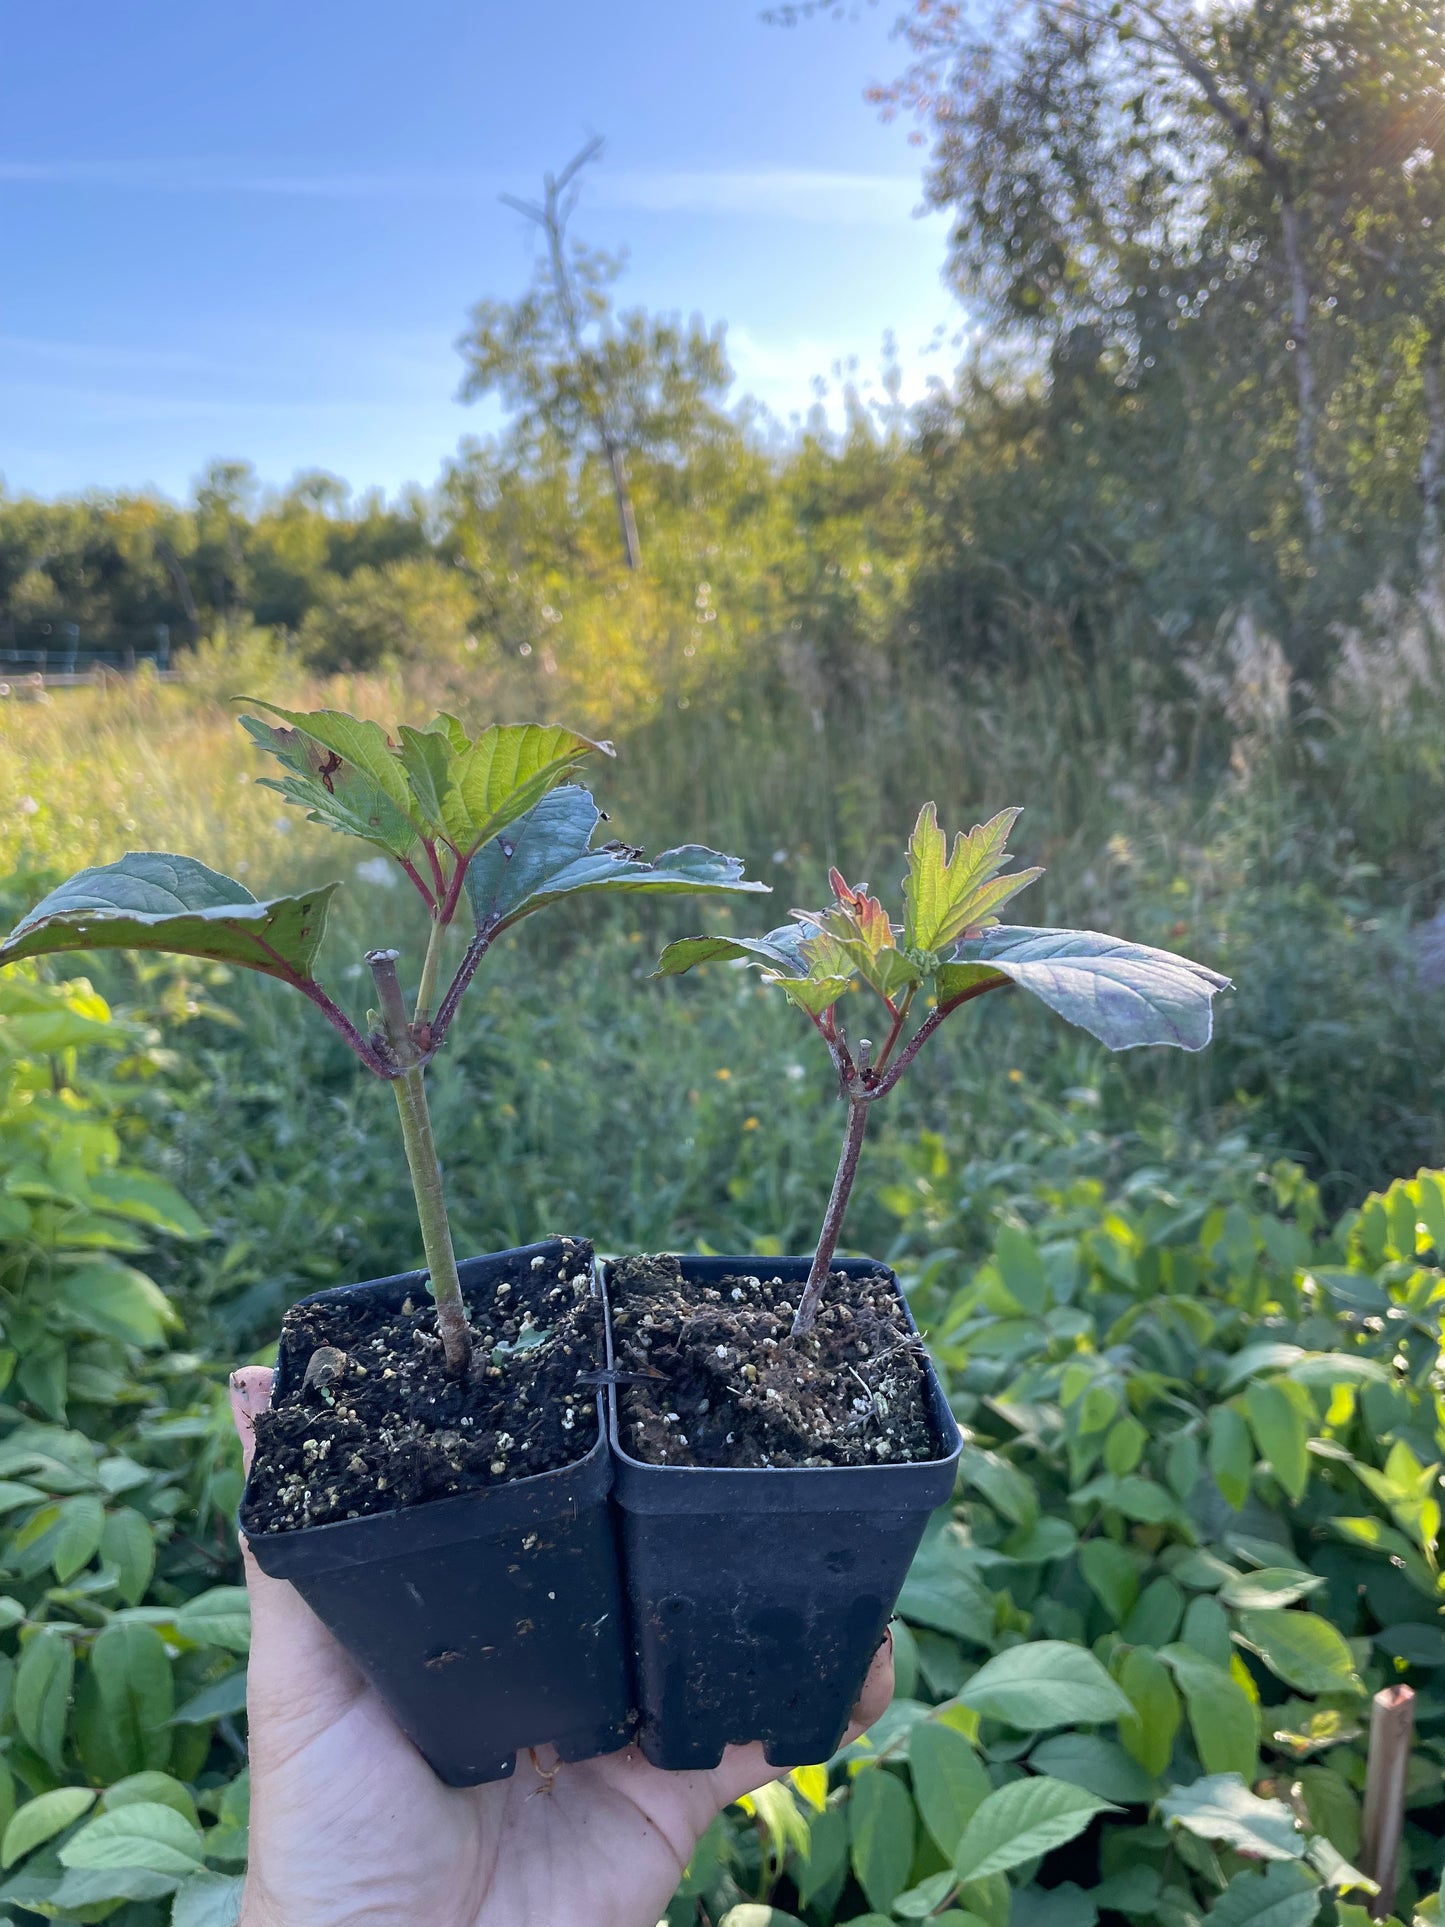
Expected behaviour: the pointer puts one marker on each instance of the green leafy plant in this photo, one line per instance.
(949, 950)
(123, 1626)
(1132, 1593)
(490, 822)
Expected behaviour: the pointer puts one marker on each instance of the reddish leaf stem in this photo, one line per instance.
(926, 1029)
(466, 970)
(419, 881)
(833, 1217)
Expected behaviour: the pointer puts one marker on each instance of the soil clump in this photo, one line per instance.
(708, 1375)
(371, 1420)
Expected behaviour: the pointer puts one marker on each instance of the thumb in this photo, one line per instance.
(299, 1678)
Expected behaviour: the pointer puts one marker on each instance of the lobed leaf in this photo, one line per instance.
(946, 895)
(468, 791)
(151, 900)
(343, 773)
(1125, 994)
(548, 854)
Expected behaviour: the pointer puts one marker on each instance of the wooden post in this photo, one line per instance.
(1392, 1727)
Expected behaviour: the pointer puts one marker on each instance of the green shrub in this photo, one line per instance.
(1197, 1526)
(121, 1678)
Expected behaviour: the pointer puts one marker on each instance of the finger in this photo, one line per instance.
(745, 1768)
(299, 1677)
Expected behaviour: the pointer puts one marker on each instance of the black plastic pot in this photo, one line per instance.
(490, 1621)
(757, 1597)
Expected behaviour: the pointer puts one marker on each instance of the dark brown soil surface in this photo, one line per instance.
(708, 1375)
(382, 1425)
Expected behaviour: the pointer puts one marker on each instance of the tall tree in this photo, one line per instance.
(1068, 132)
(582, 377)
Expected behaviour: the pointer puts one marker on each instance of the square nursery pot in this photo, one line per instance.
(757, 1597)
(489, 1621)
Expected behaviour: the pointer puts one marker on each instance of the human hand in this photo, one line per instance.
(349, 1825)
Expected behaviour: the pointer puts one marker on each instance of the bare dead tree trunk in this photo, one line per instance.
(631, 547)
(1307, 428)
(1432, 463)
(551, 216)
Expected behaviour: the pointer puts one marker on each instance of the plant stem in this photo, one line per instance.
(431, 1211)
(422, 1162)
(833, 1217)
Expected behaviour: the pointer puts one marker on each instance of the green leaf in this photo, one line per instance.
(1045, 1683)
(1008, 1490)
(209, 1900)
(950, 1782)
(1231, 1454)
(336, 793)
(1100, 1766)
(153, 901)
(1416, 1644)
(41, 1819)
(1221, 1807)
(83, 1888)
(1281, 1895)
(467, 791)
(1281, 1416)
(1125, 994)
(1022, 1269)
(881, 1831)
(944, 896)
(1111, 1575)
(117, 1302)
(364, 746)
(1302, 1649)
(149, 1201)
(76, 1535)
(1222, 1716)
(126, 1697)
(127, 1542)
(1274, 1586)
(222, 1700)
(1333, 1808)
(780, 952)
(42, 1693)
(1147, 1730)
(146, 1835)
(149, 1785)
(220, 1617)
(1020, 1821)
(548, 855)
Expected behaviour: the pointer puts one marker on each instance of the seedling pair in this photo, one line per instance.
(494, 822)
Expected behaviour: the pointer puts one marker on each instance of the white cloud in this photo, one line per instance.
(838, 199)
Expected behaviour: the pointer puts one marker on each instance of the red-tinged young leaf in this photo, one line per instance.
(150, 900)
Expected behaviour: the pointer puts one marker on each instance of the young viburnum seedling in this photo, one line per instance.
(490, 822)
(949, 949)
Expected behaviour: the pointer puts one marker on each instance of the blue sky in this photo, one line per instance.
(255, 230)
